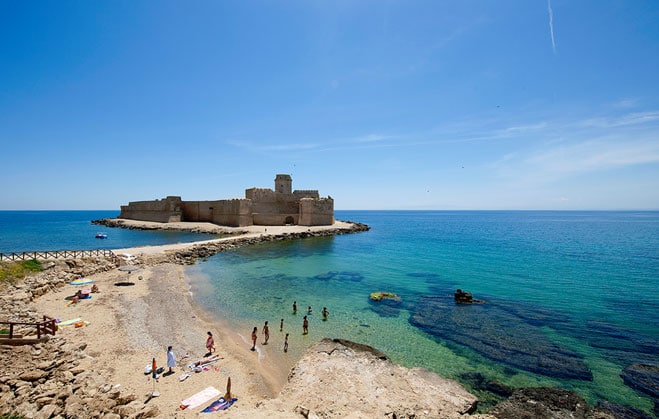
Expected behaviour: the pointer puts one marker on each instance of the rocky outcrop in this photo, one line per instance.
(338, 378)
(49, 380)
(499, 335)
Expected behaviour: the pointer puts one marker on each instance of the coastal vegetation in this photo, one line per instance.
(12, 271)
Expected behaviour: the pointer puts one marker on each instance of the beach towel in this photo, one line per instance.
(220, 404)
(200, 398)
(69, 322)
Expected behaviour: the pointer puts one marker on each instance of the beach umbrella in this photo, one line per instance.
(154, 374)
(228, 396)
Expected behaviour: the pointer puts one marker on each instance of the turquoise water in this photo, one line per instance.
(588, 280)
(29, 231)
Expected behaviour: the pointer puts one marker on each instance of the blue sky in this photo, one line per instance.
(469, 104)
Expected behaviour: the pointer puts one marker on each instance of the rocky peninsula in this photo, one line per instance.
(97, 370)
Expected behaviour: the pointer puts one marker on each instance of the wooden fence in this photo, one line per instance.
(58, 254)
(46, 327)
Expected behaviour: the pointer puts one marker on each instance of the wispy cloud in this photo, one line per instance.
(636, 118)
(551, 26)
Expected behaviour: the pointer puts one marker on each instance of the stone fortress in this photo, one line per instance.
(261, 206)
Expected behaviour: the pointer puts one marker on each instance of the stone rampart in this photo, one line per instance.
(316, 212)
(165, 210)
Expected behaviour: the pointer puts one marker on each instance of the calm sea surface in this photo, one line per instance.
(585, 282)
(29, 231)
(588, 282)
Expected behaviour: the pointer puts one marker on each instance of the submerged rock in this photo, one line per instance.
(542, 402)
(499, 335)
(644, 379)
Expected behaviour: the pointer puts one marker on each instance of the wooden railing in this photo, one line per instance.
(46, 327)
(58, 254)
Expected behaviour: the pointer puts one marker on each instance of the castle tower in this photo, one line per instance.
(284, 184)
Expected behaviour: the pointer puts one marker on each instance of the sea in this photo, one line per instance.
(564, 299)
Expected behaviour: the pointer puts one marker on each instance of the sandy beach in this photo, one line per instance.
(130, 325)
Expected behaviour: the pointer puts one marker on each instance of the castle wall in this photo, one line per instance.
(316, 212)
(167, 210)
(229, 212)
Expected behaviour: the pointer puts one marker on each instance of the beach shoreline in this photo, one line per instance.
(127, 326)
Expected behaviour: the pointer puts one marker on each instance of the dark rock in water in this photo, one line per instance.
(386, 307)
(621, 412)
(643, 378)
(622, 344)
(499, 335)
(542, 402)
(478, 381)
(498, 389)
(463, 297)
(340, 276)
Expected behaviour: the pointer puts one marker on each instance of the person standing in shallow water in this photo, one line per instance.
(253, 348)
(281, 325)
(294, 307)
(305, 325)
(325, 313)
(266, 333)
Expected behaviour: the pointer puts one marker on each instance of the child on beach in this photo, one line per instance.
(266, 333)
(210, 343)
(305, 326)
(286, 343)
(254, 339)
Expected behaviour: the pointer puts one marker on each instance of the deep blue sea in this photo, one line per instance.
(572, 292)
(29, 231)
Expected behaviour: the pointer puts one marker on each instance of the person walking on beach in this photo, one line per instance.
(254, 339)
(325, 313)
(305, 326)
(210, 343)
(281, 325)
(294, 307)
(266, 333)
(286, 343)
(171, 360)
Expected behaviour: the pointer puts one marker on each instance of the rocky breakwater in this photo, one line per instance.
(56, 378)
(190, 255)
(338, 378)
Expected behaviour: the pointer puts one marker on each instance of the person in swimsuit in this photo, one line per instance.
(210, 343)
(266, 333)
(305, 326)
(254, 339)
